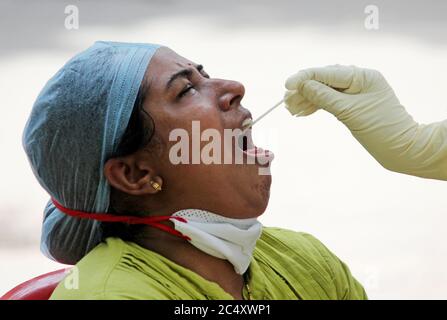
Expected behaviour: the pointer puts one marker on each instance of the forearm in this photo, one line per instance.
(401, 144)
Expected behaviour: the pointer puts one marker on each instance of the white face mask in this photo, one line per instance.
(221, 237)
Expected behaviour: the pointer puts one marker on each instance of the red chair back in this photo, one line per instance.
(38, 288)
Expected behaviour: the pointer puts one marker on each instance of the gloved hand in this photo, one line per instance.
(367, 105)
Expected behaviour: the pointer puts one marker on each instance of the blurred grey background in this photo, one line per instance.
(388, 228)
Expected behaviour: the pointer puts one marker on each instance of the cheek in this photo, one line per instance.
(186, 137)
(193, 121)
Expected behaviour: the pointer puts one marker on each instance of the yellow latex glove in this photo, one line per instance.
(367, 105)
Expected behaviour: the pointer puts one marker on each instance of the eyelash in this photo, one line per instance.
(189, 86)
(185, 90)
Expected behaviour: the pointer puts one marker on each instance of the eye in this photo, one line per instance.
(185, 90)
(206, 75)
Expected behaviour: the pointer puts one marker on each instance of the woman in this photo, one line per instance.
(98, 140)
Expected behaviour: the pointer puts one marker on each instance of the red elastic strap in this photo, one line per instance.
(107, 217)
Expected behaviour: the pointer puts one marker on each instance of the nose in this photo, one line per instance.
(231, 94)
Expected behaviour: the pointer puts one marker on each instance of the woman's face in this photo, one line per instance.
(180, 92)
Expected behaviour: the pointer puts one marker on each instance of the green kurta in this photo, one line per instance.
(285, 265)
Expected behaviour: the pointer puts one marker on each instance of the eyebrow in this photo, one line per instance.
(184, 73)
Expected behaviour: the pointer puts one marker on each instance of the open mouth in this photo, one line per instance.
(261, 156)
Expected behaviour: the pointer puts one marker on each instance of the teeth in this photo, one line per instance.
(247, 123)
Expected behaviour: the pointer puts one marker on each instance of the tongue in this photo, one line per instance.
(263, 156)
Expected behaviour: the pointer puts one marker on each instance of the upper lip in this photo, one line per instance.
(246, 115)
(247, 123)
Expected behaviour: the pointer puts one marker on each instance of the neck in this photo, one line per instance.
(183, 253)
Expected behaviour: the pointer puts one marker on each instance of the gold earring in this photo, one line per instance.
(155, 185)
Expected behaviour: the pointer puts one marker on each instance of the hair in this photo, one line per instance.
(138, 135)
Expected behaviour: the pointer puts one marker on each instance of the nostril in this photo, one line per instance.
(235, 100)
(230, 94)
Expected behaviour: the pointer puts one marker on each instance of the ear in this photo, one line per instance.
(130, 176)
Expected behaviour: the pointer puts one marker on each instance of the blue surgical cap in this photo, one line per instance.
(76, 124)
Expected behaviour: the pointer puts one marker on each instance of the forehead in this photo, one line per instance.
(164, 63)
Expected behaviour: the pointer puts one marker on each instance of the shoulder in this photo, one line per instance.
(301, 242)
(88, 278)
(302, 247)
(104, 274)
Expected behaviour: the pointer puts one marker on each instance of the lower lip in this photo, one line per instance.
(263, 157)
